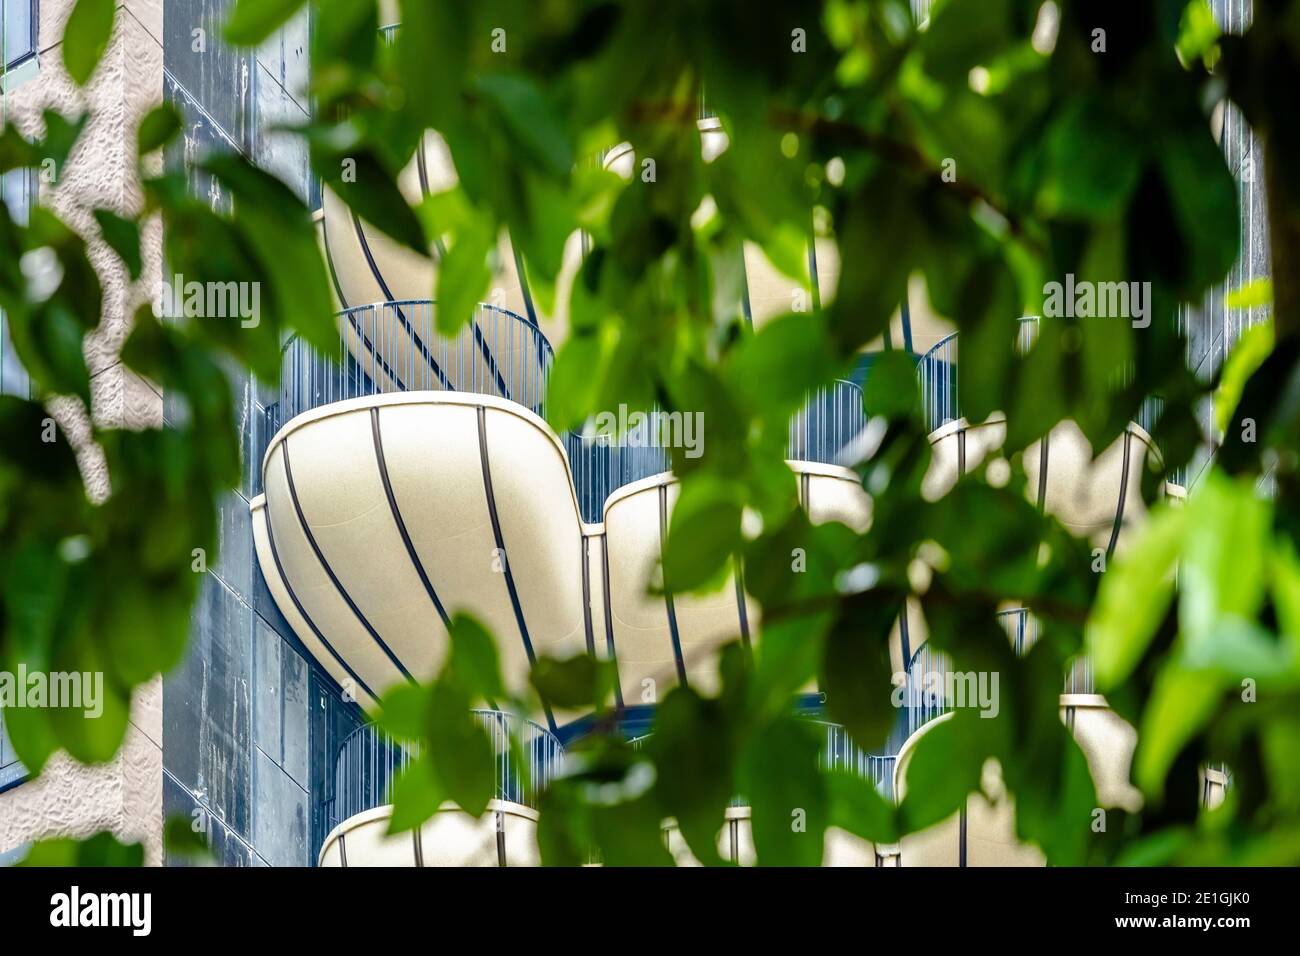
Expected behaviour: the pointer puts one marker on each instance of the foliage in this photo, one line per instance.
(1069, 159)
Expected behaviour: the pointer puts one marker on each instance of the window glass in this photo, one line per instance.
(17, 189)
(18, 26)
(11, 770)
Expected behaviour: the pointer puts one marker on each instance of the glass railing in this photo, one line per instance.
(368, 761)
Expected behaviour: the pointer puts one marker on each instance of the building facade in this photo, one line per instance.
(408, 475)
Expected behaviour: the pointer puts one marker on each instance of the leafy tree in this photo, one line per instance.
(1081, 144)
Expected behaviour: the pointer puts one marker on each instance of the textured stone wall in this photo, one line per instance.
(125, 795)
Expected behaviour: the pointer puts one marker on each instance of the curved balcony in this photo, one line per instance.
(394, 497)
(983, 832)
(368, 762)
(1095, 496)
(394, 347)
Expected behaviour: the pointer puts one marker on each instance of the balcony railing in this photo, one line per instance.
(368, 761)
(936, 373)
(820, 431)
(928, 679)
(396, 347)
(839, 752)
(937, 376)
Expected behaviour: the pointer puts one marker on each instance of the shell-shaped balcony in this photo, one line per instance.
(414, 476)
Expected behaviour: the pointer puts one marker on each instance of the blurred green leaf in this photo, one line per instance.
(158, 128)
(1134, 597)
(580, 681)
(85, 37)
(123, 237)
(100, 850)
(186, 839)
(474, 658)
(694, 782)
(858, 807)
(787, 793)
(459, 749)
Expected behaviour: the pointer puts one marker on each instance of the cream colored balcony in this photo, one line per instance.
(982, 833)
(416, 478)
(1096, 494)
(368, 762)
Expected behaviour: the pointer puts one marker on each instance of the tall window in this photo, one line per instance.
(17, 35)
(17, 188)
(17, 192)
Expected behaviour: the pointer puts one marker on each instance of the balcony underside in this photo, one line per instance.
(383, 516)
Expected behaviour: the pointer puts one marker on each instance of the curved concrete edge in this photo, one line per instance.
(379, 814)
(289, 607)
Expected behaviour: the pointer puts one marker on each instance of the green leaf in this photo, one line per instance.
(185, 838)
(1091, 163)
(86, 37)
(403, 711)
(529, 119)
(1247, 355)
(858, 807)
(354, 171)
(1181, 704)
(461, 753)
(100, 850)
(255, 20)
(704, 533)
(1255, 294)
(123, 237)
(1203, 196)
(694, 767)
(787, 793)
(416, 796)
(279, 230)
(1134, 597)
(159, 126)
(580, 681)
(1225, 552)
(464, 276)
(944, 767)
(1198, 32)
(857, 675)
(474, 658)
